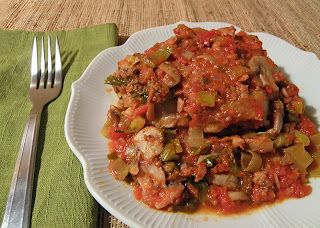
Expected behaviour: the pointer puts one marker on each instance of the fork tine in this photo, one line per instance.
(18, 207)
(34, 65)
(58, 73)
(42, 66)
(49, 82)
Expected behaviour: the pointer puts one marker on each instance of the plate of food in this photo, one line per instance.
(200, 124)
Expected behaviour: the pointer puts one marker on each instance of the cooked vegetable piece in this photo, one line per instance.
(169, 153)
(301, 138)
(188, 206)
(299, 154)
(278, 114)
(195, 137)
(137, 124)
(150, 112)
(209, 159)
(177, 145)
(204, 149)
(117, 81)
(259, 143)
(250, 161)
(149, 63)
(203, 189)
(266, 69)
(206, 98)
(281, 141)
(168, 74)
(140, 94)
(169, 167)
(296, 107)
(314, 150)
(119, 168)
(112, 156)
(237, 195)
(163, 52)
(104, 130)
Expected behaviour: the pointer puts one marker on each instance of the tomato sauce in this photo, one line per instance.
(207, 122)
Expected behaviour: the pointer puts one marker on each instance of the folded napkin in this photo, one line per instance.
(61, 198)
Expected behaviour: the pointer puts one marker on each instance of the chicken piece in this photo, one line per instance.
(150, 142)
(239, 108)
(151, 176)
(169, 195)
(152, 181)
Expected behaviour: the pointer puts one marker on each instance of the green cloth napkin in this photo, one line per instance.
(61, 198)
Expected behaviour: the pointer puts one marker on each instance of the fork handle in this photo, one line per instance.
(18, 208)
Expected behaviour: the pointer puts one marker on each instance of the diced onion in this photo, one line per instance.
(119, 169)
(314, 150)
(206, 98)
(300, 138)
(195, 137)
(299, 154)
(104, 130)
(137, 124)
(187, 54)
(207, 57)
(237, 195)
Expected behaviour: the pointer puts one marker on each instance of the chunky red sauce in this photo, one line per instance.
(207, 120)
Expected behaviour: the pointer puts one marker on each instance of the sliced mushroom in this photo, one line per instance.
(114, 115)
(278, 114)
(266, 69)
(168, 74)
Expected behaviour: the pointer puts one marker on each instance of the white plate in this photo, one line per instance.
(86, 115)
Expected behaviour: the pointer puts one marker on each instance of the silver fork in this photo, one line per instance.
(42, 91)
